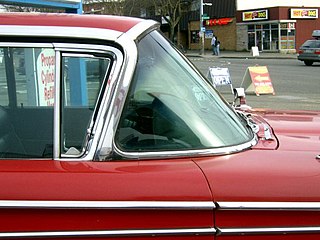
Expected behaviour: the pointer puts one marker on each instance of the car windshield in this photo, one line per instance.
(171, 107)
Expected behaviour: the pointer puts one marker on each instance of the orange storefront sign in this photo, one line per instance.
(219, 21)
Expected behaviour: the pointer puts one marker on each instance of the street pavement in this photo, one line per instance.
(296, 86)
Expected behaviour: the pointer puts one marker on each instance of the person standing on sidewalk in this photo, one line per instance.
(213, 44)
(217, 48)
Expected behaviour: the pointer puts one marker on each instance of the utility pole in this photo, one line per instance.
(202, 28)
(201, 33)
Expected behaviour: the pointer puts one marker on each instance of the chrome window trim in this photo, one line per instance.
(57, 107)
(161, 205)
(112, 233)
(58, 31)
(290, 206)
(79, 50)
(187, 153)
(25, 44)
(120, 89)
(264, 231)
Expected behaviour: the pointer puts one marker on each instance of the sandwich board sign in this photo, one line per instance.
(257, 80)
(220, 77)
(255, 51)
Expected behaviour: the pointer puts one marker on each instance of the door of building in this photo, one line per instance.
(259, 39)
(251, 39)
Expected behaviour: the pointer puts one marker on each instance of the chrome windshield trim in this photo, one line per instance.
(292, 206)
(259, 231)
(187, 153)
(111, 233)
(56, 31)
(179, 205)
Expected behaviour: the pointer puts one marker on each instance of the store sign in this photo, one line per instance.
(255, 15)
(220, 77)
(209, 34)
(220, 21)
(46, 73)
(303, 13)
(257, 80)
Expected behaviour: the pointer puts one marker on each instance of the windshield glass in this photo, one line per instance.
(170, 107)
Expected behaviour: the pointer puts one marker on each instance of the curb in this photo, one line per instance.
(275, 56)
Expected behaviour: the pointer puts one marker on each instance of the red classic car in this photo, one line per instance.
(108, 132)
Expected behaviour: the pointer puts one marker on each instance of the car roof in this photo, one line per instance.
(116, 23)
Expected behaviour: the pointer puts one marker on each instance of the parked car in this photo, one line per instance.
(309, 52)
(141, 146)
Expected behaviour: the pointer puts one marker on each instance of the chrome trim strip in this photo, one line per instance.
(56, 31)
(26, 44)
(174, 205)
(110, 233)
(187, 153)
(258, 231)
(290, 206)
(57, 107)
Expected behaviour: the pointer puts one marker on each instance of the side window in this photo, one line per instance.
(27, 94)
(83, 77)
(26, 102)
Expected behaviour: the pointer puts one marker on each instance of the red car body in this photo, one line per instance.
(268, 190)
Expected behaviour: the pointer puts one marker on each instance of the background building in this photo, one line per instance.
(218, 19)
(280, 25)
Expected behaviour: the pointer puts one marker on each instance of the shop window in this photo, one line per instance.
(266, 39)
(274, 39)
(250, 28)
(287, 38)
(195, 37)
(266, 26)
(291, 39)
(284, 38)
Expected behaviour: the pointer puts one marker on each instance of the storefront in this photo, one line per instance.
(272, 36)
(281, 29)
(223, 28)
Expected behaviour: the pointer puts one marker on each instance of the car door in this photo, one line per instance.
(55, 98)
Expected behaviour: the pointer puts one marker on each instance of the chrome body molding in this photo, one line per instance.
(290, 206)
(267, 231)
(174, 205)
(110, 233)
(209, 231)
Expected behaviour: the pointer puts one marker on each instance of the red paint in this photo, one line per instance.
(116, 23)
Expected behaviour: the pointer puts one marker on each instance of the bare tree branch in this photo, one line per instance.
(172, 11)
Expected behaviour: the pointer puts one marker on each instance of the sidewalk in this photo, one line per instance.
(234, 54)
